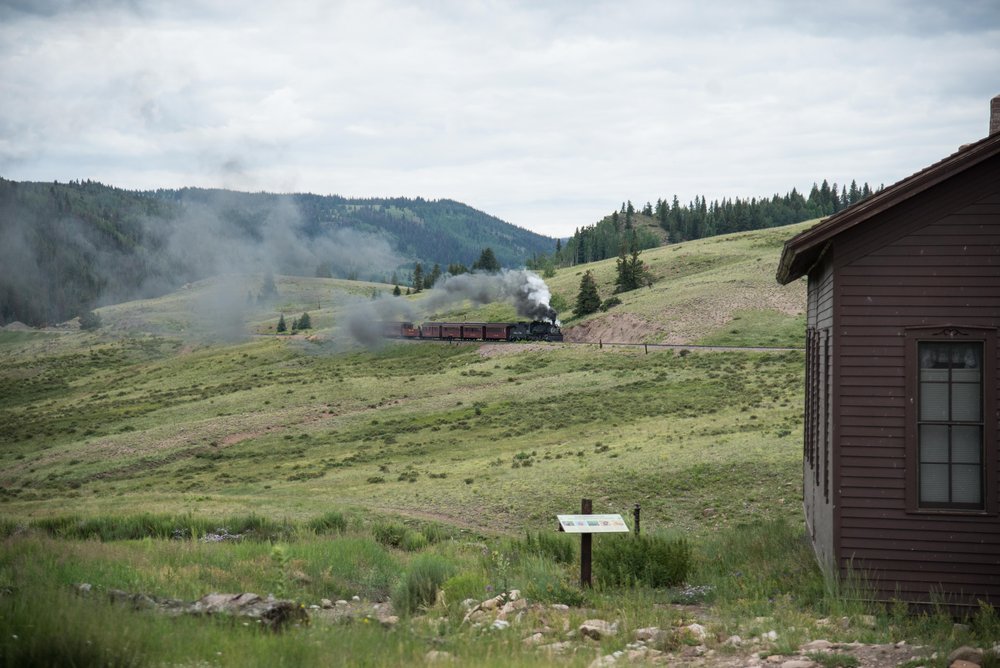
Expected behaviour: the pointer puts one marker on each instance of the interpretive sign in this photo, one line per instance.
(592, 524)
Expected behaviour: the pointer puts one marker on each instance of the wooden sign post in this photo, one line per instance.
(587, 524)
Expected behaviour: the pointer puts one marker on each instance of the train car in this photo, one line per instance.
(497, 331)
(430, 330)
(409, 331)
(451, 330)
(472, 331)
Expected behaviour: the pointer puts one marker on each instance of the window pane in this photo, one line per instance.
(972, 357)
(934, 375)
(934, 356)
(934, 483)
(966, 484)
(934, 443)
(965, 445)
(965, 402)
(933, 401)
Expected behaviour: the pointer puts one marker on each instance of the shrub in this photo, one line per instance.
(420, 584)
(559, 547)
(546, 582)
(331, 522)
(390, 534)
(413, 541)
(610, 303)
(462, 586)
(651, 560)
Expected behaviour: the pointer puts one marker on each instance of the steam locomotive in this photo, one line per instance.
(474, 331)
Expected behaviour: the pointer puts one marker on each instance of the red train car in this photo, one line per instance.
(496, 331)
(472, 331)
(451, 330)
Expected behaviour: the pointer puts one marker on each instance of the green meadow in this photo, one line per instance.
(422, 473)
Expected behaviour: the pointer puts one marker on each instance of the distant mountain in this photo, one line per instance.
(66, 248)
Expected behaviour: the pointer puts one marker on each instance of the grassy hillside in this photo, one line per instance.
(130, 455)
(166, 406)
(715, 291)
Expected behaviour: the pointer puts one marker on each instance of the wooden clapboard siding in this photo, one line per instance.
(924, 253)
(931, 261)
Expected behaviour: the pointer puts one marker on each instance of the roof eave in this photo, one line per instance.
(797, 256)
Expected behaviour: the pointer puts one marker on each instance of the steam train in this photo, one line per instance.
(474, 331)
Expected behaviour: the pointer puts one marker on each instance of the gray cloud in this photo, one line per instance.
(545, 114)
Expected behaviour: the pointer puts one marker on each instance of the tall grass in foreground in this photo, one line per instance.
(752, 579)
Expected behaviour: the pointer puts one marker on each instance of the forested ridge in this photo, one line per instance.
(66, 248)
(647, 227)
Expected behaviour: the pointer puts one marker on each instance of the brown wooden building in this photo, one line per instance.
(902, 457)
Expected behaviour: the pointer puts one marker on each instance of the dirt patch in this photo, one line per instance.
(619, 328)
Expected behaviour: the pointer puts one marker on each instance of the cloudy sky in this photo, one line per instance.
(546, 114)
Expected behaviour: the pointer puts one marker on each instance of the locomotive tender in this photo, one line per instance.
(474, 331)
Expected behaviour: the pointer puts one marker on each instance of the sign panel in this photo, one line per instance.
(592, 524)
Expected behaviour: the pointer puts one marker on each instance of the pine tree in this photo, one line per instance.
(433, 277)
(587, 300)
(305, 322)
(90, 321)
(396, 292)
(282, 327)
(418, 278)
(487, 262)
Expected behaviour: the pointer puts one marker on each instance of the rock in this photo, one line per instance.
(775, 658)
(326, 603)
(966, 653)
(649, 634)
(561, 607)
(388, 621)
(598, 628)
(341, 603)
(691, 651)
(770, 636)
(356, 599)
(868, 621)
(83, 588)
(491, 603)
(733, 641)
(607, 660)
(534, 639)
(556, 647)
(962, 663)
(696, 631)
(816, 645)
(511, 606)
(799, 663)
(709, 512)
(469, 604)
(823, 621)
(636, 655)
(500, 624)
(270, 612)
